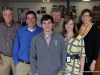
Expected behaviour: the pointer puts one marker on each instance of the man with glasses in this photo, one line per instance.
(90, 34)
(8, 30)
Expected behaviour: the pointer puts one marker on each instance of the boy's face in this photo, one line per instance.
(47, 25)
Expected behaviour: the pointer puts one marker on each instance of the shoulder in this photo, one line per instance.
(36, 37)
(95, 29)
(17, 24)
(61, 22)
(38, 28)
(2, 23)
(57, 35)
(79, 37)
(22, 28)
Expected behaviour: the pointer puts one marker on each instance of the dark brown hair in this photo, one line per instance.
(75, 29)
(38, 11)
(86, 10)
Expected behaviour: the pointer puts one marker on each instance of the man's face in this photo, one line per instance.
(56, 16)
(47, 25)
(31, 20)
(8, 16)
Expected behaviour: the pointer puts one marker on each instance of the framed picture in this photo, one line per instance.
(73, 10)
(21, 13)
(43, 10)
(62, 9)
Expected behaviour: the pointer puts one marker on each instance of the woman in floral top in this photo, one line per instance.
(75, 48)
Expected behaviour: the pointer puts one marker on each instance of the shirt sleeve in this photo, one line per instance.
(16, 49)
(33, 57)
(82, 47)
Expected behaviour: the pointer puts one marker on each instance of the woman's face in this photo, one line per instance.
(69, 26)
(86, 18)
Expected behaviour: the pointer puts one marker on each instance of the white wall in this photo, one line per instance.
(36, 6)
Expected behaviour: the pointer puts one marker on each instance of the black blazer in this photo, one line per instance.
(92, 44)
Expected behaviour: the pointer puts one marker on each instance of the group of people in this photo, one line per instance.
(55, 48)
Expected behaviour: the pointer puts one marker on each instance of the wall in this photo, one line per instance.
(2, 4)
(36, 6)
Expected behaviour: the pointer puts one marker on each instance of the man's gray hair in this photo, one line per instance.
(55, 10)
(7, 8)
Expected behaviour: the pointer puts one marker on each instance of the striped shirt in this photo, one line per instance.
(7, 36)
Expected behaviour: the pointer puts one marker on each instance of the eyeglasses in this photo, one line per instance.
(85, 16)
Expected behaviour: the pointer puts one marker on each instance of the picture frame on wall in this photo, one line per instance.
(22, 13)
(43, 10)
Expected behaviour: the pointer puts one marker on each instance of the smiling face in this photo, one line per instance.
(47, 25)
(8, 16)
(69, 26)
(86, 18)
(31, 20)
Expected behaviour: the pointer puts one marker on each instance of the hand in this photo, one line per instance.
(92, 66)
(15, 65)
(80, 73)
(36, 73)
(1, 62)
(59, 73)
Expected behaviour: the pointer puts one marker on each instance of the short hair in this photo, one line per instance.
(7, 8)
(38, 11)
(31, 12)
(55, 10)
(86, 10)
(46, 17)
(75, 29)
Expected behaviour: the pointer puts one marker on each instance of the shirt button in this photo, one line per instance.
(7, 44)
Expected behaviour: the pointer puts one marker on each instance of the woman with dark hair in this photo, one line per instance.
(91, 38)
(74, 48)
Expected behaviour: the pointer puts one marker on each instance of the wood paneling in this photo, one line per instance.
(97, 68)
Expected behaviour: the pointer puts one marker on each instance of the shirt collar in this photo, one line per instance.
(42, 34)
(48, 35)
(26, 27)
(10, 25)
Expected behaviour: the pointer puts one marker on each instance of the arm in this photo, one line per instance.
(15, 50)
(96, 44)
(96, 48)
(1, 61)
(33, 56)
(63, 55)
(82, 54)
(82, 61)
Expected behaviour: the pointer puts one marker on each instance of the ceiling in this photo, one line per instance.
(41, 0)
